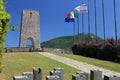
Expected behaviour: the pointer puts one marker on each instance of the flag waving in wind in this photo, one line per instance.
(70, 16)
(75, 14)
(81, 8)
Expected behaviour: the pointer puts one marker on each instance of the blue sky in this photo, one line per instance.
(52, 15)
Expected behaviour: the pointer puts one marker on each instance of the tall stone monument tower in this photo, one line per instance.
(30, 28)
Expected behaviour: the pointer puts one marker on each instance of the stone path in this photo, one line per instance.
(78, 65)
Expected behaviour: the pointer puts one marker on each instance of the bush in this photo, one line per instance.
(75, 48)
(107, 50)
(110, 50)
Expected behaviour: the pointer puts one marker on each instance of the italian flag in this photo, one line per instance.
(74, 14)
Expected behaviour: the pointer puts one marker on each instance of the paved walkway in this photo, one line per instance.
(77, 64)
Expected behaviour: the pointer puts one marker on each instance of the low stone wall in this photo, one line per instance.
(16, 49)
(23, 49)
(28, 49)
(58, 74)
(55, 50)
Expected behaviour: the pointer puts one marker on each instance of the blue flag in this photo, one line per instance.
(66, 20)
(69, 19)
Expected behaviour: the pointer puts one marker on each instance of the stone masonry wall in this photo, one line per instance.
(55, 50)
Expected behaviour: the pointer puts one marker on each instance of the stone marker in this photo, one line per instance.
(29, 75)
(109, 77)
(54, 77)
(78, 77)
(61, 71)
(58, 73)
(83, 73)
(95, 75)
(20, 78)
(37, 74)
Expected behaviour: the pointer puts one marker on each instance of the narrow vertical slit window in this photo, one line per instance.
(30, 14)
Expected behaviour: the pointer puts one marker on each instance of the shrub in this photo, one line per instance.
(75, 48)
(107, 50)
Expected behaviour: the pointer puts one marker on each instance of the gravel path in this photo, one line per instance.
(78, 65)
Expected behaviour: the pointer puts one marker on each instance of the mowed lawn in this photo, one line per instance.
(100, 63)
(16, 63)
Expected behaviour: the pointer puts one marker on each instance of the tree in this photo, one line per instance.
(4, 20)
(13, 28)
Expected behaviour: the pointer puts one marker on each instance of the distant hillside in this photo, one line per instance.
(66, 41)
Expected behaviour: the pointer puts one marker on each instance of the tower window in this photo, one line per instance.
(30, 14)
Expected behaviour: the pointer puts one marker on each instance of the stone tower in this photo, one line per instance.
(30, 28)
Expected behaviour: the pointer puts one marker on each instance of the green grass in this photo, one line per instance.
(15, 64)
(100, 63)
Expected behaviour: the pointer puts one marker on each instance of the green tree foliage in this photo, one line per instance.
(4, 20)
(13, 28)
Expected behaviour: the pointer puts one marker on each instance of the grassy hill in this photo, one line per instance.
(65, 42)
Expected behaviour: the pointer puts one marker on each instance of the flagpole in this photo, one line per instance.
(82, 26)
(95, 21)
(115, 21)
(78, 27)
(74, 31)
(89, 18)
(104, 26)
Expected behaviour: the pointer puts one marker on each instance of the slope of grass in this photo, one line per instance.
(15, 64)
(100, 63)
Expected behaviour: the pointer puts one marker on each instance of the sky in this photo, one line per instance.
(53, 13)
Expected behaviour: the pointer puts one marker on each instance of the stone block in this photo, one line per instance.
(54, 77)
(37, 74)
(95, 75)
(61, 71)
(83, 73)
(20, 78)
(58, 73)
(78, 77)
(29, 75)
(109, 77)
